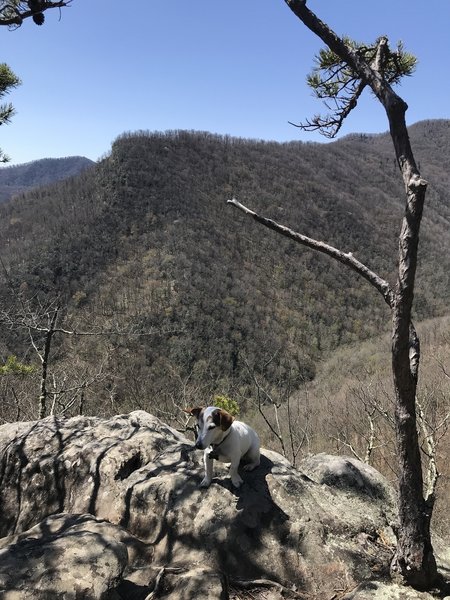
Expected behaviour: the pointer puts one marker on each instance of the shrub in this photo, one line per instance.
(228, 404)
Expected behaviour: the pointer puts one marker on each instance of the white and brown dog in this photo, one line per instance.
(225, 439)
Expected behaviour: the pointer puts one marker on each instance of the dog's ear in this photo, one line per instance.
(223, 419)
(193, 411)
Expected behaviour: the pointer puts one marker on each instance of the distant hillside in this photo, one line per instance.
(145, 242)
(18, 178)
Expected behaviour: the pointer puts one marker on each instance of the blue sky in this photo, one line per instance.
(235, 67)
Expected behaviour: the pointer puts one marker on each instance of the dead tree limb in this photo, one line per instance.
(345, 258)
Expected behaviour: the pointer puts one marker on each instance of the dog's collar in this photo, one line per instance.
(214, 453)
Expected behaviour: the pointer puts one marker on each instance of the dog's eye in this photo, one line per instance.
(211, 426)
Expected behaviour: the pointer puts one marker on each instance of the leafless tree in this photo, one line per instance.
(285, 418)
(42, 321)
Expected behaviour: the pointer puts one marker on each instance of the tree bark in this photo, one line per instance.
(414, 561)
(44, 360)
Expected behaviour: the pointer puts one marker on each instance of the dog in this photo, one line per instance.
(225, 439)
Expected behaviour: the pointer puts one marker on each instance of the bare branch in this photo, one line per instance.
(33, 343)
(345, 258)
(349, 446)
(260, 390)
(330, 125)
(442, 367)
(371, 441)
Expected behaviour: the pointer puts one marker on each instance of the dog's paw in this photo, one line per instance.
(205, 483)
(250, 467)
(236, 481)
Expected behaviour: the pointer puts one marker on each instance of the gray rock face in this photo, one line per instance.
(350, 475)
(63, 556)
(111, 508)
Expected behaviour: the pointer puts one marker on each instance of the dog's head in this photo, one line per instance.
(212, 422)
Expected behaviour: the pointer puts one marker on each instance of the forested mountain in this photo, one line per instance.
(201, 298)
(18, 178)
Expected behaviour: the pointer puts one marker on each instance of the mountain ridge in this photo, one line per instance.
(16, 179)
(145, 242)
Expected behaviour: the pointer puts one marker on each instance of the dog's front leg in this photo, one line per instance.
(235, 477)
(206, 481)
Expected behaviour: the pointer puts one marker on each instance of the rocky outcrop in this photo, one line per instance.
(111, 508)
(64, 556)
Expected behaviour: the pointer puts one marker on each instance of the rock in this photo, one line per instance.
(131, 484)
(65, 556)
(376, 590)
(352, 476)
(348, 474)
(199, 582)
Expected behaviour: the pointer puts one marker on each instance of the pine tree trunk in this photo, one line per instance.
(414, 562)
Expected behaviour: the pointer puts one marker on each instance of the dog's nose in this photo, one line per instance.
(198, 445)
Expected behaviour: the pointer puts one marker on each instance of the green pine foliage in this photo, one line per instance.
(8, 81)
(340, 86)
(330, 74)
(13, 366)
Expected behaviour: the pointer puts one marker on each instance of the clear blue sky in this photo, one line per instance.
(235, 67)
